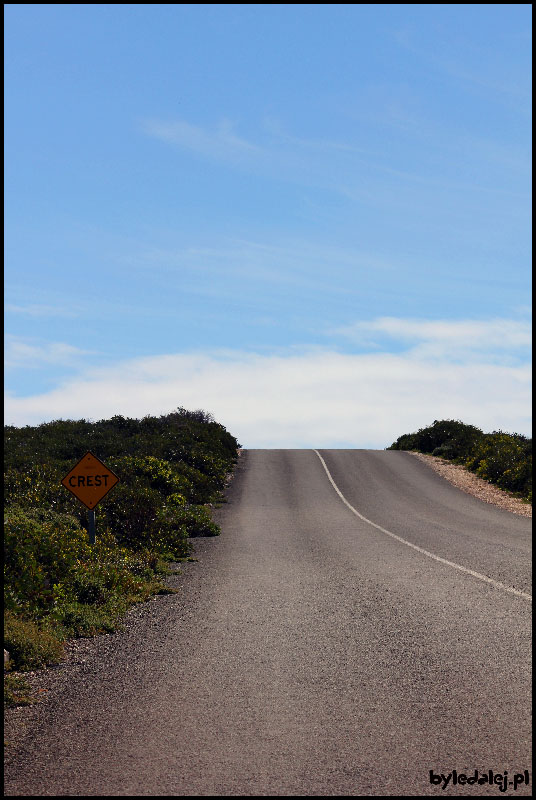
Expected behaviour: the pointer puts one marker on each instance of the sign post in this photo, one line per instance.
(90, 480)
(91, 527)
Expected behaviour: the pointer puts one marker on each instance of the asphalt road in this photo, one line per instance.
(309, 653)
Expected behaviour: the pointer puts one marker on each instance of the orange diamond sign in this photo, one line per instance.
(90, 480)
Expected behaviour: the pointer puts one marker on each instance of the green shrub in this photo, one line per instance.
(79, 620)
(17, 691)
(39, 486)
(504, 459)
(89, 589)
(41, 548)
(140, 518)
(196, 519)
(155, 473)
(29, 645)
(450, 438)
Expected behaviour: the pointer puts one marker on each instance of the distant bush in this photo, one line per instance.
(180, 437)
(450, 438)
(501, 458)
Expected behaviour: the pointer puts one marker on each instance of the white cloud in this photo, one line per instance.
(23, 352)
(302, 399)
(451, 339)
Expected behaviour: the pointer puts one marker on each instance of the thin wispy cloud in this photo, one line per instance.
(288, 262)
(222, 143)
(37, 310)
(502, 333)
(498, 84)
(353, 172)
(452, 338)
(311, 162)
(282, 136)
(20, 352)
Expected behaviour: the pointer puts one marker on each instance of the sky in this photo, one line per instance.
(311, 221)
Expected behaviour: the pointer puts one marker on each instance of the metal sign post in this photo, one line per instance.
(91, 527)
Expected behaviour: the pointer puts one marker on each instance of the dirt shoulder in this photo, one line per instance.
(470, 483)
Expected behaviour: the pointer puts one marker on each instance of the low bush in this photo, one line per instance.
(17, 691)
(29, 645)
(41, 548)
(447, 437)
(504, 459)
(79, 620)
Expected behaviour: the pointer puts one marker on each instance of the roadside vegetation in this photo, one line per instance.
(57, 585)
(504, 459)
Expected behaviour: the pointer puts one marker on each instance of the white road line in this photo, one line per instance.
(496, 584)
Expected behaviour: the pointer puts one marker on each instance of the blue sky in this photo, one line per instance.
(312, 221)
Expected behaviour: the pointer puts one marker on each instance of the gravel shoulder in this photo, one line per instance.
(470, 483)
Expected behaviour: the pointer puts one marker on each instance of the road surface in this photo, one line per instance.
(358, 623)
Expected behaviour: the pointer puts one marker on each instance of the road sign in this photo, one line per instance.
(90, 480)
